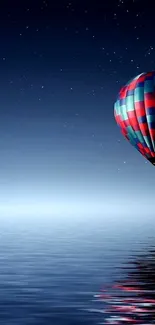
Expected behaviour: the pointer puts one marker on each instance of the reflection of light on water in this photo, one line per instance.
(132, 301)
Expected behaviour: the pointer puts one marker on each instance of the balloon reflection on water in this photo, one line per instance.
(132, 301)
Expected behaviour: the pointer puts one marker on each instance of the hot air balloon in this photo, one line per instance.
(134, 112)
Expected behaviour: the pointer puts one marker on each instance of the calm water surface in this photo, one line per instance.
(50, 271)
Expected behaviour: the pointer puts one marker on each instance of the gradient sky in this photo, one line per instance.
(62, 64)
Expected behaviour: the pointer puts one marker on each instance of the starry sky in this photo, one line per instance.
(62, 64)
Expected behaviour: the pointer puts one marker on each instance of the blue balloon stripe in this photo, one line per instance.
(137, 97)
(137, 136)
(148, 111)
(142, 119)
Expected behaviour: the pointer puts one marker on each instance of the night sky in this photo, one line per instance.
(62, 64)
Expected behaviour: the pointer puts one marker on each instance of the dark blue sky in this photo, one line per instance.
(62, 64)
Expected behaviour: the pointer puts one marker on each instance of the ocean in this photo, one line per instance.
(52, 268)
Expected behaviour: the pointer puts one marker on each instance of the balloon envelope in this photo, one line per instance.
(134, 112)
